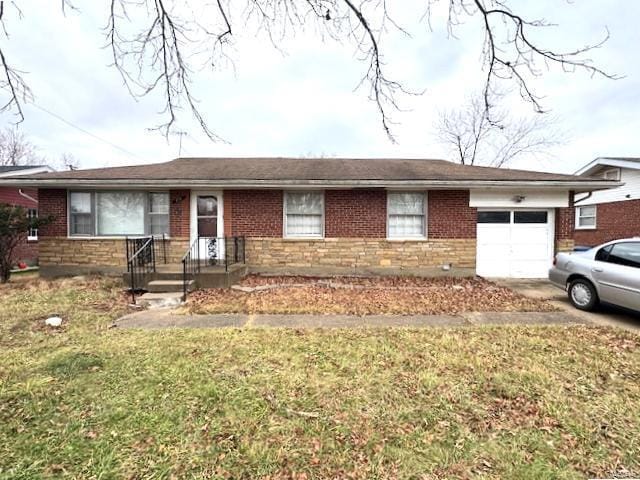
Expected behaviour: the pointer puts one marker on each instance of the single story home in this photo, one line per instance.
(609, 214)
(324, 215)
(27, 198)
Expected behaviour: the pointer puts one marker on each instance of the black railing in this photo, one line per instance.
(208, 252)
(143, 253)
(158, 245)
(141, 263)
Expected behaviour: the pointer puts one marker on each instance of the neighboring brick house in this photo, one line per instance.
(27, 250)
(315, 215)
(610, 214)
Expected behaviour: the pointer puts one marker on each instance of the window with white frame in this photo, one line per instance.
(158, 213)
(118, 213)
(586, 217)
(81, 213)
(32, 235)
(406, 214)
(304, 214)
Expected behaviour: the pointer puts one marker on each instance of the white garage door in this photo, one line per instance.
(514, 243)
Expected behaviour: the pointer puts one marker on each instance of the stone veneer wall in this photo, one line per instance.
(363, 253)
(95, 254)
(565, 245)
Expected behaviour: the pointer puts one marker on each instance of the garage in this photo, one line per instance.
(514, 242)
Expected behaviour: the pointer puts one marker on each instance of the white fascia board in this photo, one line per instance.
(579, 186)
(26, 171)
(522, 198)
(606, 162)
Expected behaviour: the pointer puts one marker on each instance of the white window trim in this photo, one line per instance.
(595, 218)
(94, 235)
(284, 216)
(425, 233)
(32, 238)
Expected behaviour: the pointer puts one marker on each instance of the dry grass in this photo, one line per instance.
(364, 296)
(500, 402)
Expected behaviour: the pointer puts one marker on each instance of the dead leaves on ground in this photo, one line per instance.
(367, 296)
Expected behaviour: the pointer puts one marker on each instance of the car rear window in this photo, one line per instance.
(626, 253)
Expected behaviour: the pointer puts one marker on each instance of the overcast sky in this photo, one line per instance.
(301, 101)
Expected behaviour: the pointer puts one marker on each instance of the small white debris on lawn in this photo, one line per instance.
(53, 321)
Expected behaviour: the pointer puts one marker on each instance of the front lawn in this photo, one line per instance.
(363, 296)
(89, 401)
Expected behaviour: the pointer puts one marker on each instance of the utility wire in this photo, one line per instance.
(86, 132)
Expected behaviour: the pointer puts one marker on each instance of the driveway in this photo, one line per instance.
(604, 316)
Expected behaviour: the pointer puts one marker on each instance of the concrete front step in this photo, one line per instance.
(207, 278)
(162, 286)
(160, 300)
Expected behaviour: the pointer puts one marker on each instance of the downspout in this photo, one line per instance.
(28, 197)
(587, 197)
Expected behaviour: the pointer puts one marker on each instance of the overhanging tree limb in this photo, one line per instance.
(155, 49)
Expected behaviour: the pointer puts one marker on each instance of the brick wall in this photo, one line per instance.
(26, 251)
(227, 215)
(613, 220)
(355, 213)
(53, 202)
(179, 213)
(348, 213)
(565, 221)
(450, 215)
(253, 213)
(12, 196)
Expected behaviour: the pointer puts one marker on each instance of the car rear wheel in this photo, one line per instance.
(583, 295)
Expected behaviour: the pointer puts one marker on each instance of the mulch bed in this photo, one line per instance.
(363, 296)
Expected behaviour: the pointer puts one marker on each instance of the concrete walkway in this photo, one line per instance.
(167, 318)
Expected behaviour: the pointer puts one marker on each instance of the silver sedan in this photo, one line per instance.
(608, 273)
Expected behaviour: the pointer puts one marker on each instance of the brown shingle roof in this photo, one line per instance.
(303, 169)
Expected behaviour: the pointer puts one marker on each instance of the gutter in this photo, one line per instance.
(586, 185)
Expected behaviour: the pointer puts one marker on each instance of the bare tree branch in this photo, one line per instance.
(474, 140)
(156, 44)
(12, 80)
(15, 149)
(510, 54)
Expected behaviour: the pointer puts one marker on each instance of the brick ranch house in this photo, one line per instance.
(315, 215)
(609, 214)
(27, 250)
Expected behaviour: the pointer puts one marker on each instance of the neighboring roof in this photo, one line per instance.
(622, 162)
(13, 170)
(278, 172)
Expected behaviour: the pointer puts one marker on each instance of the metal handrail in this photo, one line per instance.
(138, 264)
(150, 239)
(234, 252)
(188, 265)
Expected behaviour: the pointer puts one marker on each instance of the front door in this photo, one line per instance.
(206, 226)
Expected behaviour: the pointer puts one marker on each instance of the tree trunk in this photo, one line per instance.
(5, 273)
